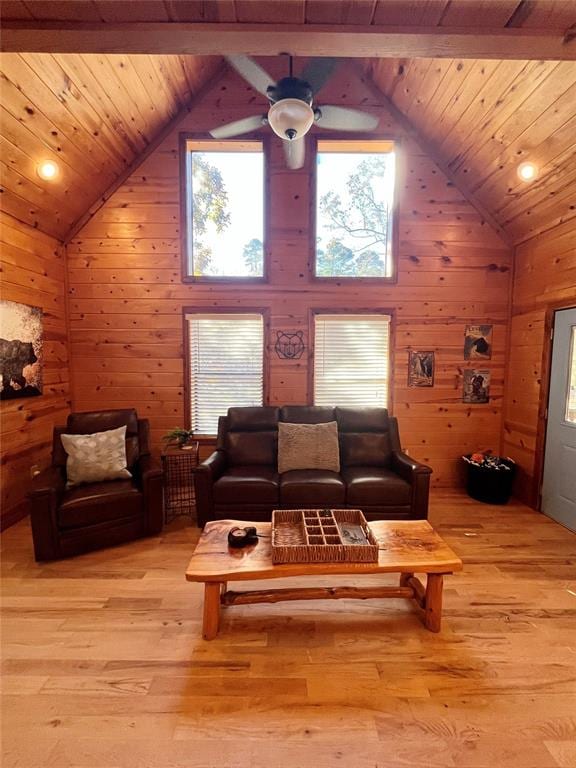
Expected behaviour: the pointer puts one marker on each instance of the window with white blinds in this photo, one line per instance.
(226, 365)
(351, 360)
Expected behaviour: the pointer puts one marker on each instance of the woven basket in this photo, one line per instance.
(316, 536)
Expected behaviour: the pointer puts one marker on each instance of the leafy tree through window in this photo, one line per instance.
(354, 208)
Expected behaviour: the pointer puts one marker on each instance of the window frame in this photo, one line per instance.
(367, 138)
(186, 138)
(208, 310)
(376, 310)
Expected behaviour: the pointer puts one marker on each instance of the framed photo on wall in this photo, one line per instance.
(420, 369)
(478, 342)
(476, 386)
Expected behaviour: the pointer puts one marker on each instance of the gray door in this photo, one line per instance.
(559, 487)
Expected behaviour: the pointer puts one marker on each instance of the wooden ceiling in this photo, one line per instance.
(549, 14)
(97, 113)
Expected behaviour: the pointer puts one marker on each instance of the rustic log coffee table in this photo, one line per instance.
(405, 547)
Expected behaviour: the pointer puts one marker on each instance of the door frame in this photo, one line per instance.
(546, 369)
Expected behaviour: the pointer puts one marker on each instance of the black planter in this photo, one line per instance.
(492, 486)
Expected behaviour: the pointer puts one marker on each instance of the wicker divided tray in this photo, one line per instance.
(322, 536)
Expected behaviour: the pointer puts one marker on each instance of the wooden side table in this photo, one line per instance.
(179, 465)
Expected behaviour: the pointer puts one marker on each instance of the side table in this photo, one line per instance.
(179, 465)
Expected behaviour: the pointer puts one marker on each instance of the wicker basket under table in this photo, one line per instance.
(179, 465)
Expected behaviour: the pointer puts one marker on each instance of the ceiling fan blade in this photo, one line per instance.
(318, 71)
(295, 152)
(344, 119)
(238, 127)
(253, 73)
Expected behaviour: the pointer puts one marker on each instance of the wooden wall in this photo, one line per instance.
(545, 278)
(33, 272)
(126, 295)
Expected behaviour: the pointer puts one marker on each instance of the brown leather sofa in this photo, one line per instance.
(70, 521)
(240, 479)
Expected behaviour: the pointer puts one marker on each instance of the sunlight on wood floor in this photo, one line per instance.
(104, 665)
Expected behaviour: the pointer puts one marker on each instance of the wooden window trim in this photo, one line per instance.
(399, 178)
(208, 310)
(313, 311)
(186, 137)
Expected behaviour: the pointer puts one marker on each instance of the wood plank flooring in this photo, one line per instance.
(104, 665)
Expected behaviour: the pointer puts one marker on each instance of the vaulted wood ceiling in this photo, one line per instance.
(96, 114)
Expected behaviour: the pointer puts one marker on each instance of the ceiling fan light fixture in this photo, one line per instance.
(290, 118)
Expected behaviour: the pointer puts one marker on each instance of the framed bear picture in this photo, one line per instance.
(20, 350)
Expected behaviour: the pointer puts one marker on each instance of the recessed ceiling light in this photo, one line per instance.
(47, 170)
(527, 171)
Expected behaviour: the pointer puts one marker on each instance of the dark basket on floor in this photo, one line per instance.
(492, 486)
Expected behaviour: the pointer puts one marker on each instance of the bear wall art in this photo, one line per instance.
(20, 350)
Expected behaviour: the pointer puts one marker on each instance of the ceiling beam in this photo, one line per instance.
(297, 39)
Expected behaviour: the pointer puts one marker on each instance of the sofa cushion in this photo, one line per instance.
(99, 502)
(99, 421)
(306, 414)
(244, 448)
(375, 486)
(253, 419)
(362, 419)
(312, 488)
(97, 457)
(248, 484)
(308, 446)
(360, 449)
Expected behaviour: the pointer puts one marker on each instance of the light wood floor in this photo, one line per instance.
(104, 665)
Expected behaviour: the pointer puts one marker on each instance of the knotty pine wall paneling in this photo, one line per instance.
(545, 278)
(126, 293)
(33, 272)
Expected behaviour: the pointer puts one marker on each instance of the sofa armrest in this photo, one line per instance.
(418, 475)
(150, 480)
(45, 495)
(205, 476)
(407, 467)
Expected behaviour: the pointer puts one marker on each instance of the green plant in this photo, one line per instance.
(178, 436)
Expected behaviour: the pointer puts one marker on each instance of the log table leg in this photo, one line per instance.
(433, 606)
(212, 591)
(405, 579)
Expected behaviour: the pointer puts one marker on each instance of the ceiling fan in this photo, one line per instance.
(292, 111)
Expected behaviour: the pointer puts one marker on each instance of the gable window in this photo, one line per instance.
(225, 365)
(355, 209)
(352, 360)
(223, 215)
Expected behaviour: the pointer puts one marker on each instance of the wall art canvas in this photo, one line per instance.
(420, 369)
(20, 350)
(478, 342)
(476, 386)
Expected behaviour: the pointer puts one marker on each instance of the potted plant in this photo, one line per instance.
(179, 437)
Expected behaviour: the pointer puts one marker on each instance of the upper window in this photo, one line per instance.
(355, 209)
(225, 365)
(351, 360)
(224, 214)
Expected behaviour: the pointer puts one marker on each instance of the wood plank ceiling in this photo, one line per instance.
(95, 114)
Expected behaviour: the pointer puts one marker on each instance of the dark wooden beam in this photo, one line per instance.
(298, 39)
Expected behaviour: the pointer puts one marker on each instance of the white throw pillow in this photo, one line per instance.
(97, 457)
(308, 446)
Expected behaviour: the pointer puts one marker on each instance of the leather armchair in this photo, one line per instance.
(69, 521)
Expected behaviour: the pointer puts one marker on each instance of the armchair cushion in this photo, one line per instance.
(95, 458)
(99, 502)
(258, 484)
(375, 486)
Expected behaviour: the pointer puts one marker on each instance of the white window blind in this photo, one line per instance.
(351, 360)
(226, 366)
